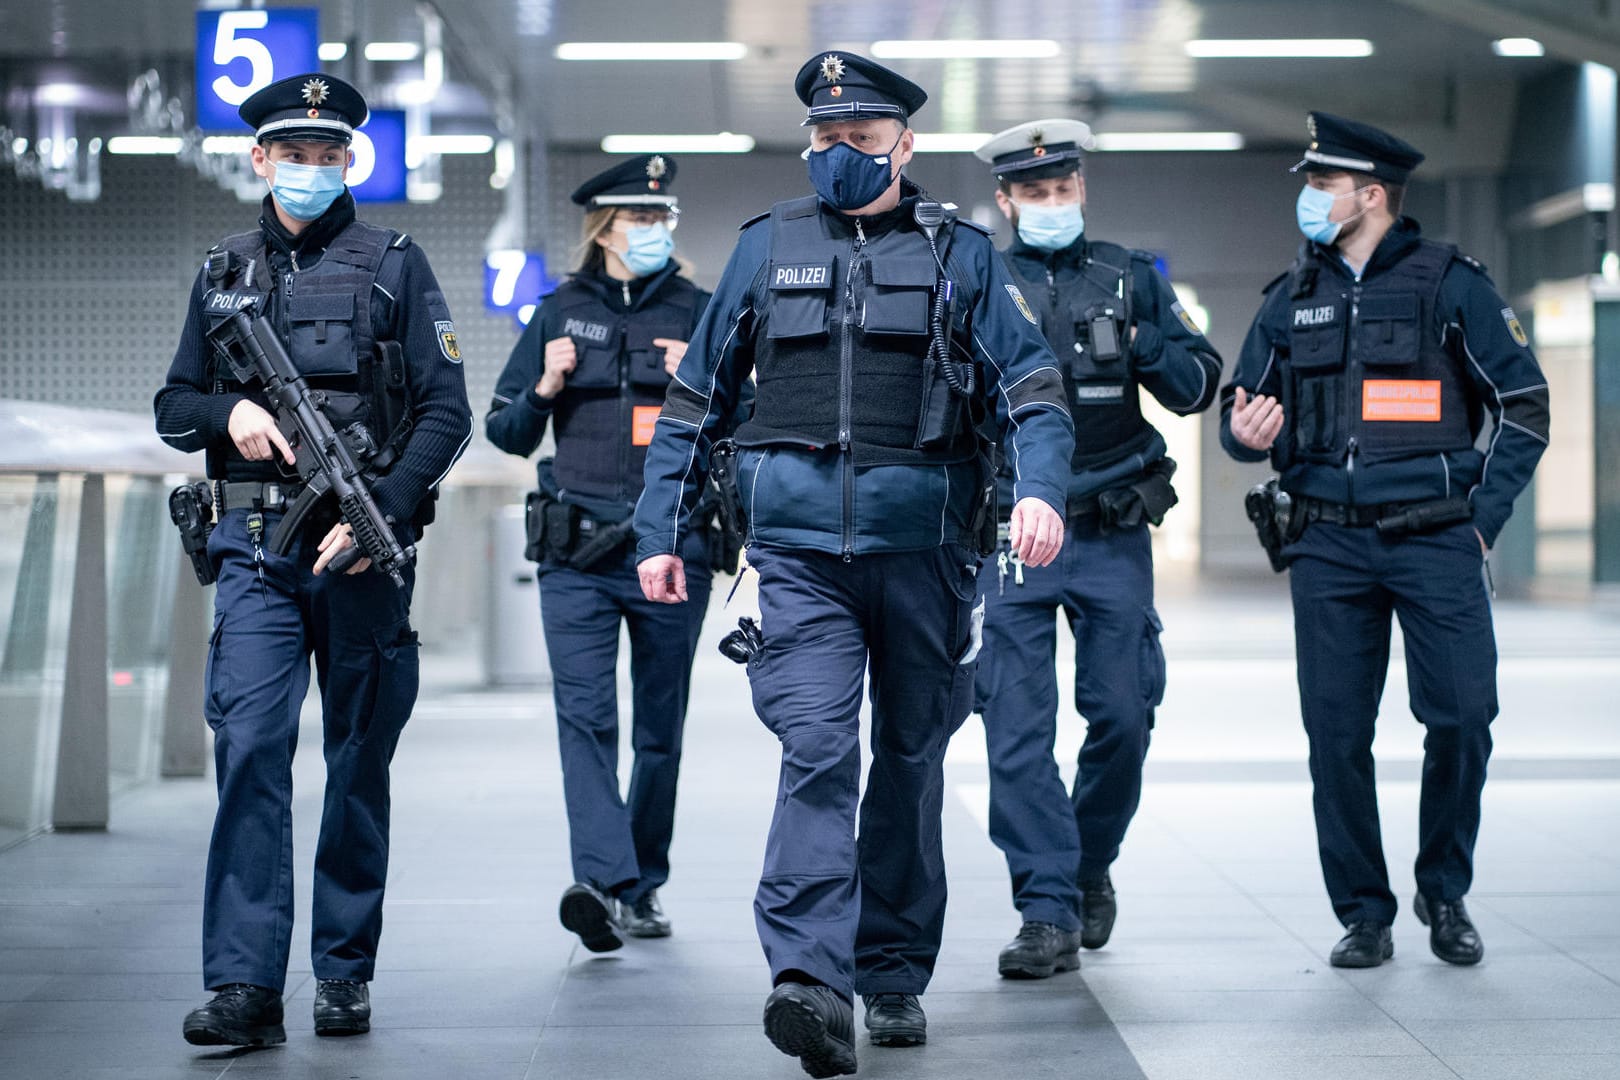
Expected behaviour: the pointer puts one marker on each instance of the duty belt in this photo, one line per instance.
(229, 495)
(1390, 517)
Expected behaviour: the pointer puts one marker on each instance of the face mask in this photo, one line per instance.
(1050, 228)
(848, 179)
(305, 191)
(1313, 209)
(648, 250)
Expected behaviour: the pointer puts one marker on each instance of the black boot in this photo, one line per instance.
(1452, 936)
(813, 1024)
(590, 914)
(1097, 910)
(645, 918)
(239, 1015)
(895, 1020)
(1364, 945)
(1039, 950)
(342, 1007)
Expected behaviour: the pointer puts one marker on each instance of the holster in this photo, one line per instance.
(1271, 510)
(1147, 500)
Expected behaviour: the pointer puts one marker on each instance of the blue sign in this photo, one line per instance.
(378, 172)
(514, 282)
(243, 51)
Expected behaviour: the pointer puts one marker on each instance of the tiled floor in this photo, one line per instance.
(1217, 968)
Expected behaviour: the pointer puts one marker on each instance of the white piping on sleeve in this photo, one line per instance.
(462, 449)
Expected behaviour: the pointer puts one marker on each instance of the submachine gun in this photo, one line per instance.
(328, 461)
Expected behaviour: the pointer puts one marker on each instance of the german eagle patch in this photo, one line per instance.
(447, 340)
(1023, 305)
(1515, 328)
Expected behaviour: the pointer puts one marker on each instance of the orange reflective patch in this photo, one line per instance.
(643, 419)
(1401, 399)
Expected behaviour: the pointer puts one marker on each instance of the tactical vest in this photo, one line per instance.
(324, 316)
(618, 383)
(1103, 396)
(825, 304)
(1368, 369)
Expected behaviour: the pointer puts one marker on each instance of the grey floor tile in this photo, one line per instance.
(1467, 1037)
(1272, 1066)
(1373, 1037)
(1539, 1066)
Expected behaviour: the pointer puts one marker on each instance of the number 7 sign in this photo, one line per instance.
(243, 51)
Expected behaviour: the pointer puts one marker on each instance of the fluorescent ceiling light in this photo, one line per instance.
(1517, 46)
(144, 144)
(227, 144)
(947, 49)
(1279, 48)
(950, 142)
(1169, 140)
(651, 50)
(59, 94)
(332, 50)
(453, 144)
(723, 143)
(393, 50)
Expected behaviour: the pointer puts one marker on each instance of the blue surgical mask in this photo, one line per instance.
(649, 249)
(306, 191)
(848, 179)
(1050, 228)
(1313, 209)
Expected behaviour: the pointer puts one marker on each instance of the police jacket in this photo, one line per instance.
(1113, 444)
(834, 313)
(328, 305)
(1386, 379)
(603, 416)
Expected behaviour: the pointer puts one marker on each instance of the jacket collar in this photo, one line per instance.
(1401, 240)
(1072, 256)
(610, 290)
(316, 235)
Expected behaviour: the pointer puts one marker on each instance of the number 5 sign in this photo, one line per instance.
(242, 51)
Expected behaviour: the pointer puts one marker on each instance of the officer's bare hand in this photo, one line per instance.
(673, 351)
(255, 433)
(1256, 421)
(340, 538)
(1035, 531)
(663, 579)
(560, 360)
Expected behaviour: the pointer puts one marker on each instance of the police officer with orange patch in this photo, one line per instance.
(594, 364)
(1368, 377)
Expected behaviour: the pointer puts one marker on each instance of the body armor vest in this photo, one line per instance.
(604, 421)
(1103, 395)
(324, 316)
(843, 332)
(1368, 369)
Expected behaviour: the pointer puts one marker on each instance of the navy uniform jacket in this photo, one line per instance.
(517, 417)
(795, 499)
(1170, 357)
(191, 417)
(1493, 359)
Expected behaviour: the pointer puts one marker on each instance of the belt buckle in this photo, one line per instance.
(270, 496)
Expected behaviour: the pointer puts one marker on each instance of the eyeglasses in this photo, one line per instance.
(640, 219)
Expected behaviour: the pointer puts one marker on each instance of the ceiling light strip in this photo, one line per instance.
(651, 50)
(1168, 140)
(1279, 48)
(723, 143)
(949, 49)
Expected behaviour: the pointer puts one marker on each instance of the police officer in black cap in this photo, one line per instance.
(1367, 377)
(1116, 323)
(594, 363)
(359, 311)
(879, 328)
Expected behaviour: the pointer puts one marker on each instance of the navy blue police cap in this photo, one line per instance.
(1340, 145)
(313, 107)
(842, 86)
(1038, 150)
(641, 181)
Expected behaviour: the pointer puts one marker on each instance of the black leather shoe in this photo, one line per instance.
(1365, 945)
(1097, 911)
(813, 1024)
(1452, 936)
(645, 917)
(342, 1007)
(895, 1020)
(239, 1015)
(1039, 950)
(589, 913)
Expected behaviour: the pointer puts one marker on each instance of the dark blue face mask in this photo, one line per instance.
(848, 179)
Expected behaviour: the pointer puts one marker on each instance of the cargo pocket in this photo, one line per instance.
(798, 307)
(897, 300)
(1316, 362)
(320, 333)
(596, 366)
(396, 671)
(647, 359)
(1151, 667)
(1387, 330)
(214, 686)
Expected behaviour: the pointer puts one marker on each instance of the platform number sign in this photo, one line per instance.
(242, 51)
(377, 173)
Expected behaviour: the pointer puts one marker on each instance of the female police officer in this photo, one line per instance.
(595, 361)
(360, 313)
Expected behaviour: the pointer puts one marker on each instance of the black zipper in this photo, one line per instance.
(1352, 394)
(627, 410)
(846, 392)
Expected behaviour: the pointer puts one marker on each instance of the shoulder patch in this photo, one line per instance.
(1023, 305)
(446, 333)
(1186, 318)
(1470, 262)
(1516, 328)
(401, 241)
